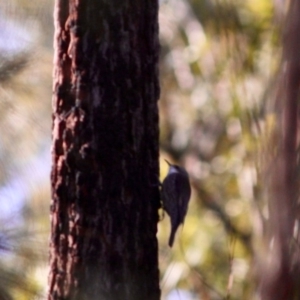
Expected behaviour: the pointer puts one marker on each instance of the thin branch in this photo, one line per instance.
(210, 201)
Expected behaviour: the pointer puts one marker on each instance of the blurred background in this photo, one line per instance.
(218, 65)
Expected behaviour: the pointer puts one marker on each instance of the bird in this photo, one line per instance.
(176, 193)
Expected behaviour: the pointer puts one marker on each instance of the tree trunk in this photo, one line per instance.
(280, 271)
(105, 197)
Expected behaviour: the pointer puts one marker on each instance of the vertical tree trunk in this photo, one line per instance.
(105, 201)
(281, 267)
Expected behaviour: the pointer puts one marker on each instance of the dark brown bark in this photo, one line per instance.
(105, 199)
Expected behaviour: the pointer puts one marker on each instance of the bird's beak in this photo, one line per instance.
(167, 162)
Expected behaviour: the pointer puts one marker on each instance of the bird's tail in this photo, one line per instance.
(172, 236)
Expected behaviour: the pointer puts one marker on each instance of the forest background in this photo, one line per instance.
(219, 62)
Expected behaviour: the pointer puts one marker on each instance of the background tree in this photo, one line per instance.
(280, 275)
(105, 198)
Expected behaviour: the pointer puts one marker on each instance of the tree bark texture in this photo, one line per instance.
(105, 197)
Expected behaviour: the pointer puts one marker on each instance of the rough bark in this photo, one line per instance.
(105, 199)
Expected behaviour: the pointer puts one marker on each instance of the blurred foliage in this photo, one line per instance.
(218, 63)
(25, 133)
